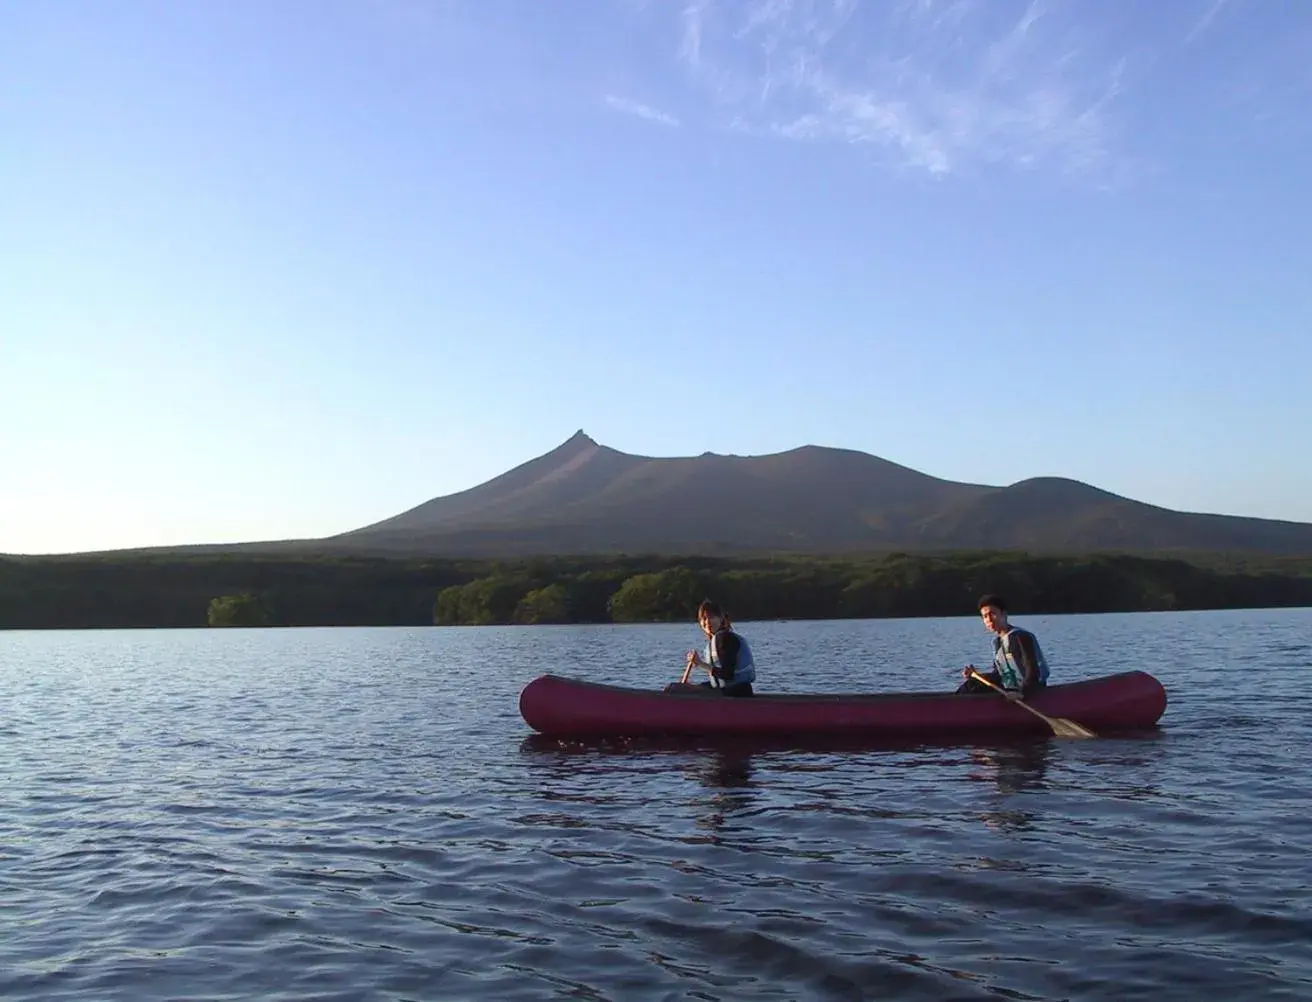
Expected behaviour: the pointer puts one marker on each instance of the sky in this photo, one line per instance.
(275, 270)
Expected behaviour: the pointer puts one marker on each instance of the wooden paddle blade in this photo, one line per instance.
(1061, 727)
(1064, 728)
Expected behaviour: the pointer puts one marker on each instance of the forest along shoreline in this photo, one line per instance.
(161, 590)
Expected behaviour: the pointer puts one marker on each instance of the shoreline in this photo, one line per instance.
(279, 592)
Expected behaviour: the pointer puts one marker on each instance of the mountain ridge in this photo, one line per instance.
(584, 497)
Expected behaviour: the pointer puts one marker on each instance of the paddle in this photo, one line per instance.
(1062, 727)
(687, 669)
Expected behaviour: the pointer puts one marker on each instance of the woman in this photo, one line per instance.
(727, 657)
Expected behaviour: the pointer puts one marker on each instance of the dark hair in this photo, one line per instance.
(709, 608)
(993, 600)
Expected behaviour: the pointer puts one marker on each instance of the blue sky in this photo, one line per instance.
(283, 269)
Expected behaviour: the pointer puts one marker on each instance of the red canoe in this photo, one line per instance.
(566, 707)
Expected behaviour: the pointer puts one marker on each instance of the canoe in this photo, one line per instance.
(567, 707)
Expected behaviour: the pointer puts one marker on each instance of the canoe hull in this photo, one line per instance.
(566, 707)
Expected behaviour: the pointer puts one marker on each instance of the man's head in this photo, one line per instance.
(993, 611)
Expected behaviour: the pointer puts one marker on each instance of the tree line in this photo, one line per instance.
(162, 590)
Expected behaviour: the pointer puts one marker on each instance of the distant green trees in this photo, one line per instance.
(480, 602)
(161, 590)
(502, 599)
(237, 610)
(663, 596)
(544, 605)
(897, 584)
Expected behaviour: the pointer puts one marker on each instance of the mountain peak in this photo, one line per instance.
(583, 497)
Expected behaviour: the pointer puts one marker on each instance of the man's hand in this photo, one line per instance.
(965, 672)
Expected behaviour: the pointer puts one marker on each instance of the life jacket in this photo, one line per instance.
(1004, 661)
(744, 669)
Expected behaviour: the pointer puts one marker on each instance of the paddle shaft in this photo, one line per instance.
(688, 671)
(997, 688)
(1059, 725)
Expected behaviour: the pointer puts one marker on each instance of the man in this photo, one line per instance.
(1018, 662)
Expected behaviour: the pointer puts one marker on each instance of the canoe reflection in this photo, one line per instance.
(1013, 769)
(726, 770)
(727, 774)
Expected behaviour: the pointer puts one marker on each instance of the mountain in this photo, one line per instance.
(583, 497)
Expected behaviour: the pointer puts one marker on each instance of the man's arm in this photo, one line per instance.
(1022, 649)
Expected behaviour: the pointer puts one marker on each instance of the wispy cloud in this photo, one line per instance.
(1204, 22)
(690, 46)
(639, 110)
(943, 85)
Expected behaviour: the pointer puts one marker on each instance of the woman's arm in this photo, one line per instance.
(726, 652)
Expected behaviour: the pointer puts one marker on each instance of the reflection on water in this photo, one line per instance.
(727, 774)
(723, 769)
(1013, 770)
(726, 770)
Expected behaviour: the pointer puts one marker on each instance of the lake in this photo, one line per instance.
(358, 814)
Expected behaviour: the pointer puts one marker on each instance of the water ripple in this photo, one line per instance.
(357, 814)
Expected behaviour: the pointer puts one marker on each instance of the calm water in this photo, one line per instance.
(357, 814)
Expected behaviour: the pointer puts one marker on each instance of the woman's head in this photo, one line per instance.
(711, 617)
